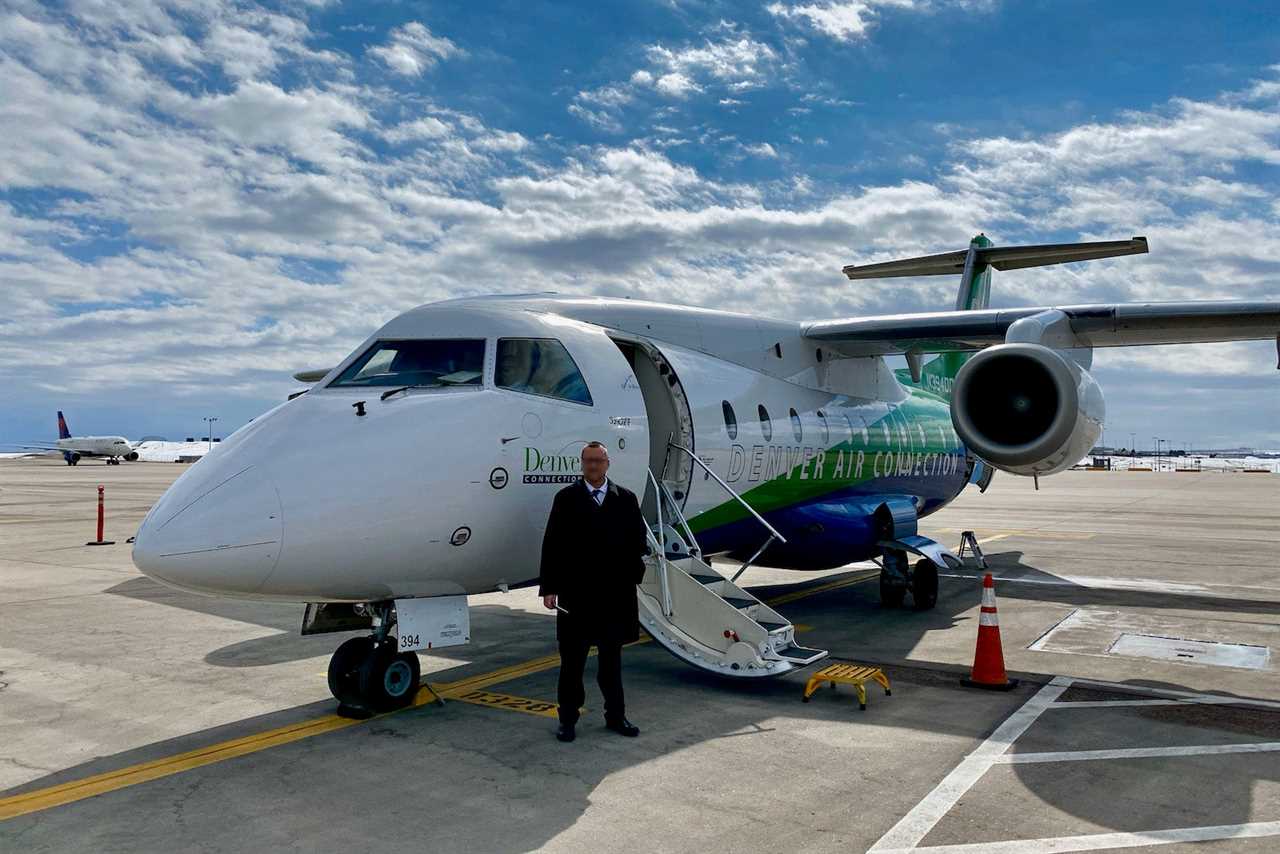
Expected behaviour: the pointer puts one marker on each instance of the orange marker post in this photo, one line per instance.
(101, 519)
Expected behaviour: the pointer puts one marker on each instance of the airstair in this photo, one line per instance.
(699, 615)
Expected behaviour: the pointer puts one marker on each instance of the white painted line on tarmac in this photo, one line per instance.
(915, 825)
(1223, 699)
(1128, 704)
(1135, 753)
(1143, 585)
(1104, 841)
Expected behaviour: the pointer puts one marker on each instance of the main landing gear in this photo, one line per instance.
(896, 579)
(369, 675)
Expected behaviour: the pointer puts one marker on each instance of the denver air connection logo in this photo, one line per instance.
(541, 467)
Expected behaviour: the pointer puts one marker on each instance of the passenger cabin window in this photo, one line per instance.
(796, 427)
(766, 426)
(426, 363)
(730, 420)
(540, 366)
(826, 428)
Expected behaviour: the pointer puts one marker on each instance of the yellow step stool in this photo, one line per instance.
(856, 675)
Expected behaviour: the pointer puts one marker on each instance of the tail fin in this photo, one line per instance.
(974, 266)
(63, 432)
(975, 278)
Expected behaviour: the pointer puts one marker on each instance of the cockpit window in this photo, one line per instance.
(431, 362)
(540, 366)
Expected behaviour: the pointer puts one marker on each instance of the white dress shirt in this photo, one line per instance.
(591, 490)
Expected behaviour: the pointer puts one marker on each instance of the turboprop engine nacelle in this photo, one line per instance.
(1026, 408)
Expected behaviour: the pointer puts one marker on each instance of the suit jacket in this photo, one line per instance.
(592, 559)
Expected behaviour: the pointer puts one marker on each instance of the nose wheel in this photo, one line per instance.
(368, 676)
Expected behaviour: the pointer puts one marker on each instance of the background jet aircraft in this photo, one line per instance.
(74, 448)
(788, 444)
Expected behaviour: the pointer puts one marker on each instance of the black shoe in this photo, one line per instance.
(623, 727)
(565, 732)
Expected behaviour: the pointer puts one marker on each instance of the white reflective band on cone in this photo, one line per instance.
(986, 619)
(989, 597)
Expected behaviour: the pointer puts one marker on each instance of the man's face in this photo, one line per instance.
(595, 462)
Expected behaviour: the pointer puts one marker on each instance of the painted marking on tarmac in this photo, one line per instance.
(906, 835)
(915, 825)
(1013, 532)
(1105, 841)
(821, 588)
(87, 787)
(99, 784)
(509, 703)
(1135, 753)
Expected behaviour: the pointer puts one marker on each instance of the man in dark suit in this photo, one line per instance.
(592, 559)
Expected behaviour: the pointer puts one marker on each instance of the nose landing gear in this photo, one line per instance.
(368, 675)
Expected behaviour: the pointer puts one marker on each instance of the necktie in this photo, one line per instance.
(595, 493)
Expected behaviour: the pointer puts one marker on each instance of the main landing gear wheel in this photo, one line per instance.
(344, 671)
(892, 590)
(924, 584)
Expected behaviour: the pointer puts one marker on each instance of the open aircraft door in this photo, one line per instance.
(668, 420)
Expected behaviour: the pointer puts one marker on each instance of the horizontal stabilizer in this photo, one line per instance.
(311, 375)
(999, 257)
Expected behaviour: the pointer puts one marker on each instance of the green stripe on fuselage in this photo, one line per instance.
(781, 474)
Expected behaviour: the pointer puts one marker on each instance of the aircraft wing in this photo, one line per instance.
(1115, 325)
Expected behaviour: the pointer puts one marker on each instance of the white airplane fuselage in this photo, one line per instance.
(438, 491)
(96, 446)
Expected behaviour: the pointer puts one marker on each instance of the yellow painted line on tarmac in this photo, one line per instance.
(98, 784)
(1039, 533)
(469, 690)
(821, 588)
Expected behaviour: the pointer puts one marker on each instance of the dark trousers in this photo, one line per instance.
(571, 694)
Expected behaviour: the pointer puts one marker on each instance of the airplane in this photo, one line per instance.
(779, 443)
(74, 448)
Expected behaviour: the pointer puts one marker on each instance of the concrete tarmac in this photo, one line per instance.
(1140, 611)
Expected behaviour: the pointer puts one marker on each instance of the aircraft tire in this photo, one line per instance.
(924, 585)
(344, 670)
(891, 594)
(389, 679)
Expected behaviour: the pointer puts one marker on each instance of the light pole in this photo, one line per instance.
(1133, 448)
(1156, 462)
(211, 419)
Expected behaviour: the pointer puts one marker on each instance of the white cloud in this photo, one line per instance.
(414, 49)
(676, 85)
(266, 224)
(425, 128)
(726, 60)
(735, 60)
(852, 20)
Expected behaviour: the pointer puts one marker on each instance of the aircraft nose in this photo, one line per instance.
(225, 539)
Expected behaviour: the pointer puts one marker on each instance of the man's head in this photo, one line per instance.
(595, 462)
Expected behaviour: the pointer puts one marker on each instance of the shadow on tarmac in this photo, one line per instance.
(488, 780)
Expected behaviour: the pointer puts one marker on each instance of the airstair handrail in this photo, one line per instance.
(662, 547)
(729, 489)
(677, 515)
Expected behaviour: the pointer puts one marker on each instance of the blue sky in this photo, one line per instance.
(199, 198)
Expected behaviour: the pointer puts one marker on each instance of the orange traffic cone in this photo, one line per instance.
(988, 657)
